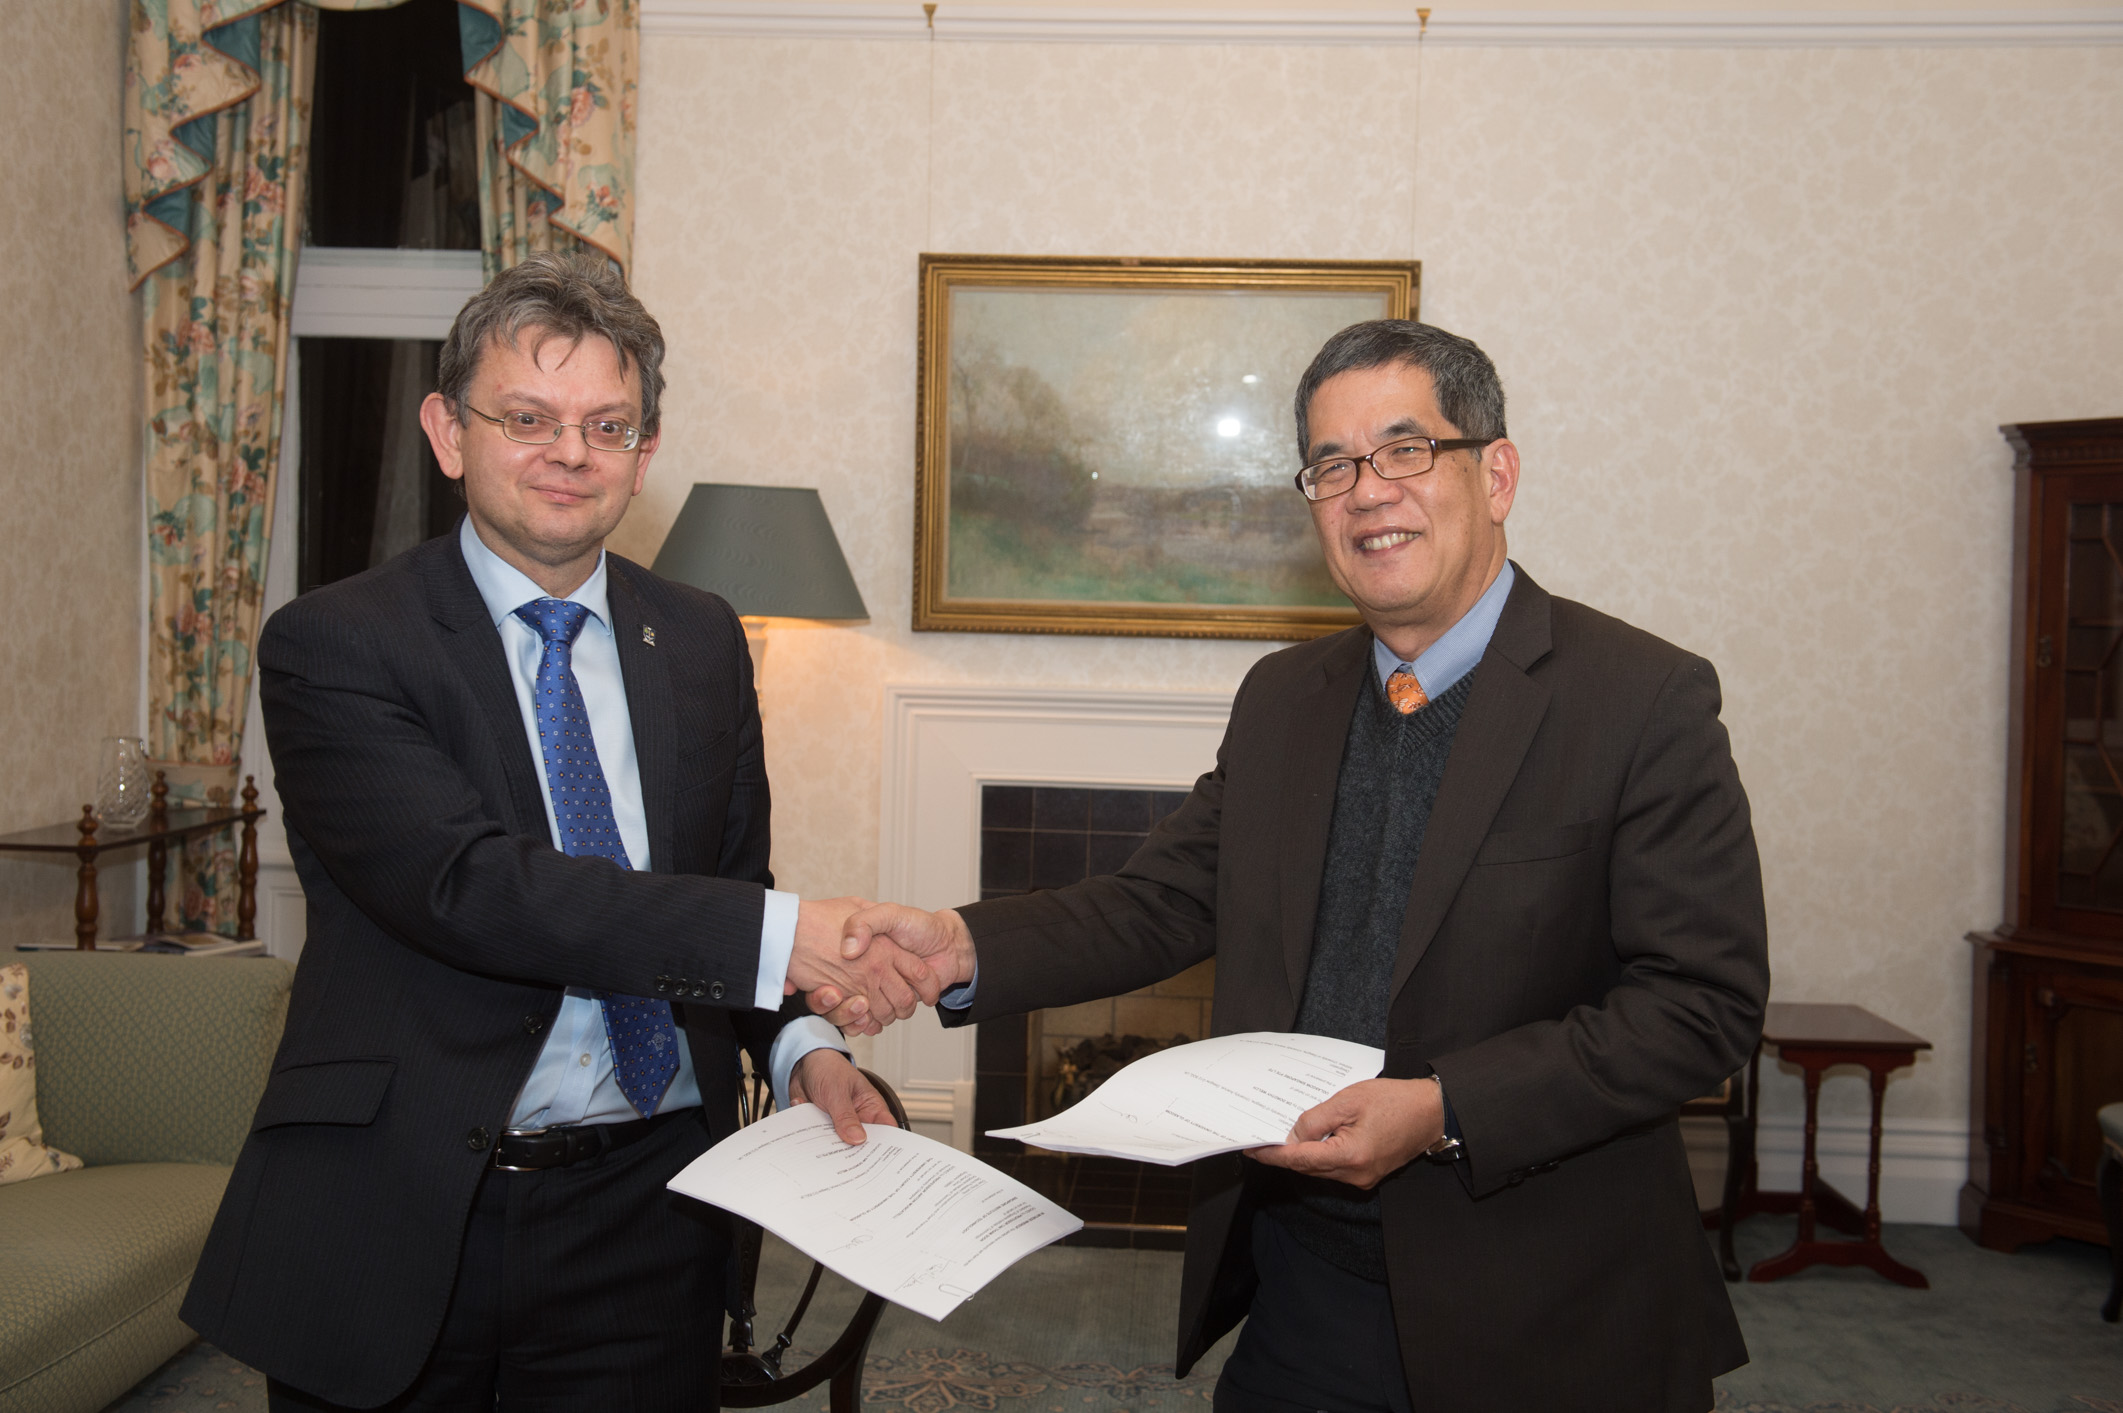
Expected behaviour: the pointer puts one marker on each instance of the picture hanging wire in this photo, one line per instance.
(1415, 143)
(928, 227)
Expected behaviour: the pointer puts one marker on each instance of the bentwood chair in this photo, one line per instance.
(755, 1378)
(1733, 1101)
(2108, 1182)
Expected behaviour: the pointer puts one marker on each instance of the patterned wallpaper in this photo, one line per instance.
(70, 518)
(1759, 312)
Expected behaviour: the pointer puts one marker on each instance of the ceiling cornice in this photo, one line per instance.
(1642, 29)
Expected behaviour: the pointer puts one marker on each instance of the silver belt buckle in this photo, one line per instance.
(500, 1167)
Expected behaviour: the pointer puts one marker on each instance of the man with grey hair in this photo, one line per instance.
(1494, 833)
(525, 791)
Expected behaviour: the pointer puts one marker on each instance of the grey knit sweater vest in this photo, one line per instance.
(1391, 767)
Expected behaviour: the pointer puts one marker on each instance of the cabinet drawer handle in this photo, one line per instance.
(2042, 651)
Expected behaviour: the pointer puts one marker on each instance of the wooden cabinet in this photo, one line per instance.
(2048, 1044)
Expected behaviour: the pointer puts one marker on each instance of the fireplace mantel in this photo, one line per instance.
(942, 743)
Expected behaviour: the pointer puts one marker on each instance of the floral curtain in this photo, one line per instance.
(556, 82)
(217, 109)
(217, 101)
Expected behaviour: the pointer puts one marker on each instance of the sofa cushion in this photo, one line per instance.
(147, 1059)
(93, 1265)
(23, 1152)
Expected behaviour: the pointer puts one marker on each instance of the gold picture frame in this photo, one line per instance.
(1105, 445)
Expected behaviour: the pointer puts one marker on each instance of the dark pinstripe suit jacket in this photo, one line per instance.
(443, 926)
(1583, 950)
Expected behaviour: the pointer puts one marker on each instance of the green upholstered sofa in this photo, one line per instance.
(148, 1069)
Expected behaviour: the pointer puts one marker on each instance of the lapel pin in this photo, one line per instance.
(648, 635)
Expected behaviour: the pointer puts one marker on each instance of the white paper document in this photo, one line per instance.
(914, 1220)
(1213, 1096)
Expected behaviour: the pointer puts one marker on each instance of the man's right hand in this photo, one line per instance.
(869, 991)
(938, 939)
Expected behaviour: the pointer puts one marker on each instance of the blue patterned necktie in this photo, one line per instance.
(644, 1041)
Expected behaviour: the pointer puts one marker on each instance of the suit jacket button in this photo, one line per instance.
(477, 1140)
(716, 991)
(663, 986)
(533, 1024)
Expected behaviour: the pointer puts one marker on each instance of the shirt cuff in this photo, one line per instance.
(777, 941)
(960, 997)
(797, 1039)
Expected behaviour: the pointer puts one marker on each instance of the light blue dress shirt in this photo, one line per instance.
(574, 1080)
(1437, 668)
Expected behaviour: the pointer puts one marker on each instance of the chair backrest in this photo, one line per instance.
(1727, 1098)
(153, 1059)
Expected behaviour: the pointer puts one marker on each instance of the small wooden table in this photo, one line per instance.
(1816, 1037)
(85, 839)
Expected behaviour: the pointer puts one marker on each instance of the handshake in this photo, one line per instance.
(863, 965)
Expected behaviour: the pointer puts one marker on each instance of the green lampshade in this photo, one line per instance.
(769, 550)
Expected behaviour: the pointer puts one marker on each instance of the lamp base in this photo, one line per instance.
(756, 643)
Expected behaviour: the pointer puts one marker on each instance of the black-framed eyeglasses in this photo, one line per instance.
(537, 429)
(1411, 456)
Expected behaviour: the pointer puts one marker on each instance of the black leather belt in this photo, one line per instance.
(530, 1150)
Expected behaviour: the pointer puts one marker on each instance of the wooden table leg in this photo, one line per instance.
(1872, 1157)
(1868, 1251)
(86, 906)
(1799, 1255)
(158, 871)
(158, 853)
(1810, 1174)
(247, 865)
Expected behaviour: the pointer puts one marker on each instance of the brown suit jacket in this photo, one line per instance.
(1583, 951)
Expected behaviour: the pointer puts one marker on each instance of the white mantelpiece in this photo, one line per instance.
(941, 745)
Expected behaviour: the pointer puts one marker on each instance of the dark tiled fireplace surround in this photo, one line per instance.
(1034, 837)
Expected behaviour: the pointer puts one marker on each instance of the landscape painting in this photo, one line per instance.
(1108, 446)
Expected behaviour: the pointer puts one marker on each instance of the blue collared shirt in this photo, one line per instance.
(574, 1081)
(1439, 667)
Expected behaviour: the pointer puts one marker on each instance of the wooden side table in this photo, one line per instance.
(1815, 1038)
(87, 840)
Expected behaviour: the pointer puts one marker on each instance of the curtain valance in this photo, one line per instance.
(559, 77)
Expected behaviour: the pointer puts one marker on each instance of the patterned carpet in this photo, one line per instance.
(950, 1380)
(1075, 1330)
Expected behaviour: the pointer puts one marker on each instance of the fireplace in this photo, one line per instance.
(946, 748)
(1028, 1067)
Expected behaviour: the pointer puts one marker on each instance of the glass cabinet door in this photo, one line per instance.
(2078, 722)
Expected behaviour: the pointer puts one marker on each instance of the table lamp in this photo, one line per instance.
(769, 550)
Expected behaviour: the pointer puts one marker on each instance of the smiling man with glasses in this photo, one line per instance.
(1498, 835)
(525, 790)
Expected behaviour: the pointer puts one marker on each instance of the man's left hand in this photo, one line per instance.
(1362, 1133)
(827, 1078)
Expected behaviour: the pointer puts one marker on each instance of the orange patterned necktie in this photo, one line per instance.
(1405, 692)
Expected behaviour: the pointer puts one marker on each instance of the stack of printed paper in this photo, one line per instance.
(1214, 1096)
(919, 1222)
